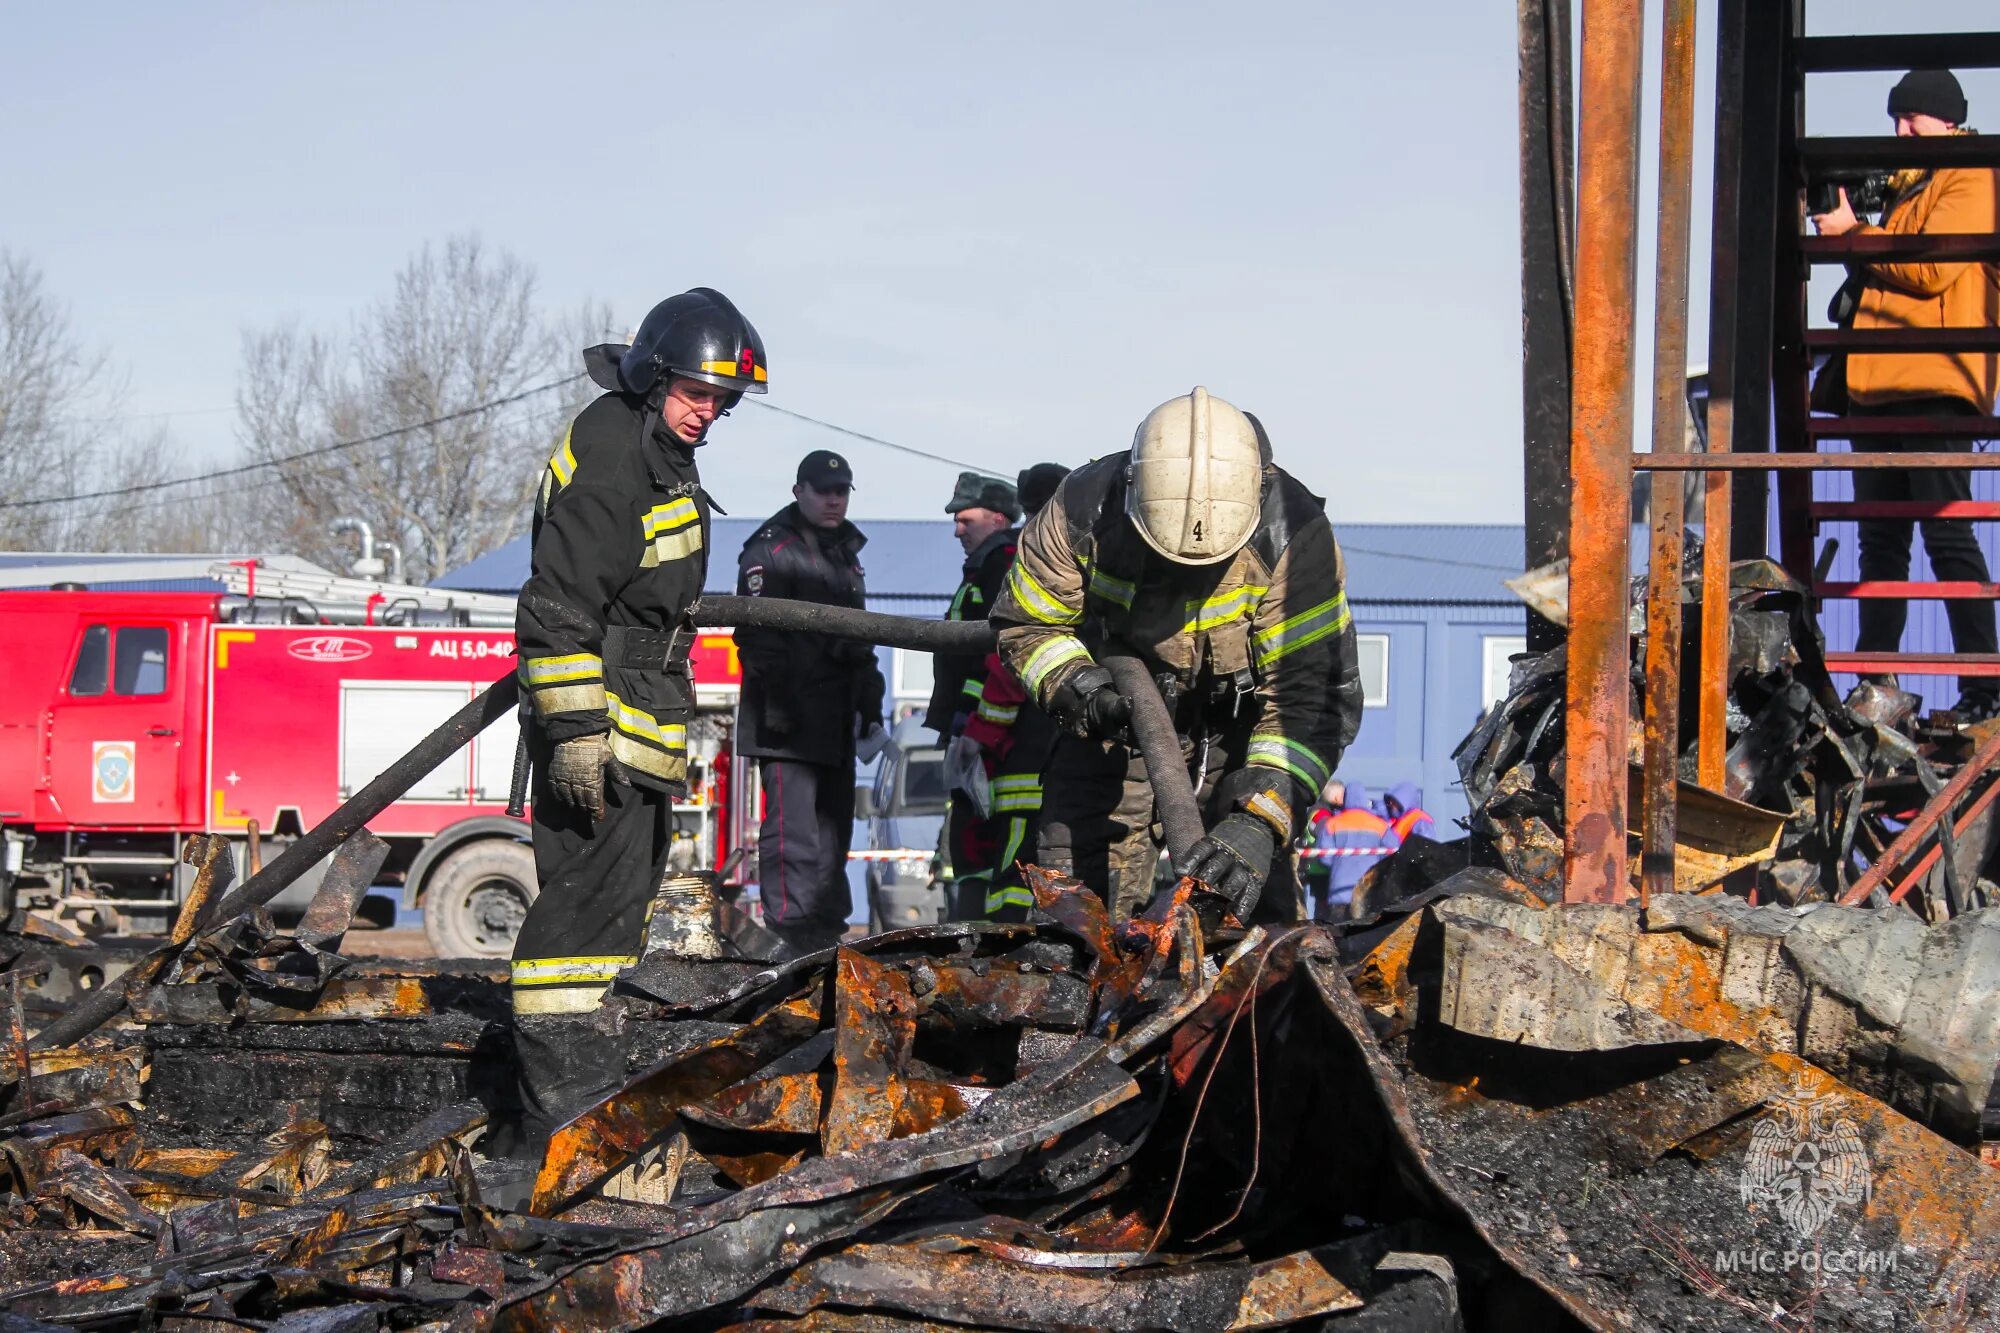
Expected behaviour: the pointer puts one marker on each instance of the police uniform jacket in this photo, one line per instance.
(620, 548)
(958, 678)
(804, 693)
(1266, 633)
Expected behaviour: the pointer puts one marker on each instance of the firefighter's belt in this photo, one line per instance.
(646, 649)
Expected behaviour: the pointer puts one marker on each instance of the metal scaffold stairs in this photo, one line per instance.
(1764, 350)
(1761, 349)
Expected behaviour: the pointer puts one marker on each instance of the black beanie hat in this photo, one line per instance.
(1929, 92)
(1037, 485)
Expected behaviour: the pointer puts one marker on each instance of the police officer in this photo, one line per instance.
(620, 548)
(806, 698)
(1194, 553)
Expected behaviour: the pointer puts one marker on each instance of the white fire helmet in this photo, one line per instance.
(1195, 481)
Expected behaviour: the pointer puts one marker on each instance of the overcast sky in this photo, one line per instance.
(998, 233)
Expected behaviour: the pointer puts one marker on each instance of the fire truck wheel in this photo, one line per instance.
(475, 900)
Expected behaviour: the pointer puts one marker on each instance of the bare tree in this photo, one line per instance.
(429, 420)
(46, 382)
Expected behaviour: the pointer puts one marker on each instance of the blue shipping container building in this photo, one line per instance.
(1436, 628)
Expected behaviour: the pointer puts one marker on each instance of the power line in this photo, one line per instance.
(859, 435)
(318, 451)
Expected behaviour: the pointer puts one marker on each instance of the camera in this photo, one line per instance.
(1867, 192)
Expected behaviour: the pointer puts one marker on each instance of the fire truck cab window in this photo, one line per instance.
(141, 660)
(93, 663)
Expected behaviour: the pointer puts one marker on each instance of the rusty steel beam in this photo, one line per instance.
(1668, 502)
(1598, 711)
(1927, 819)
(1713, 462)
(1958, 829)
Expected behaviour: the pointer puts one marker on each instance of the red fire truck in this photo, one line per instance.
(131, 720)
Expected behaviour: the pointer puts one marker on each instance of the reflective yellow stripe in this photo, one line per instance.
(731, 369)
(975, 688)
(648, 759)
(641, 723)
(1112, 589)
(1017, 782)
(1036, 600)
(576, 666)
(588, 698)
(563, 461)
(673, 514)
(1001, 895)
(1273, 751)
(1058, 650)
(1206, 615)
(996, 713)
(560, 999)
(1309, 626)
(672, 546)
(569, 971)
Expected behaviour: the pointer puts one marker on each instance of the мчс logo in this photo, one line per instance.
(1805, 1157)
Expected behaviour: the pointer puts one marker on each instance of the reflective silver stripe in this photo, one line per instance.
(1221, 610)
(560, 999)
(648, 759)
(1058, 650)
(574, 666)
(639, 722)
(677, 545)
(1115, 590)
(1037, 601)
(563, 461)
(666, 517)
(1010, 895)
(1004, 714)
(1309, 626)
(1273, 751)
(569, 699)
(568, 971)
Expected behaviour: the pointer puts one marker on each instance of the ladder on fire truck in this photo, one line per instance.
(1761, 350)
(296, 597)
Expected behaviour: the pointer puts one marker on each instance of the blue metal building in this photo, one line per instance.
(1436, 627)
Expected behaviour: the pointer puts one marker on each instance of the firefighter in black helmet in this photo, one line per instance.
(620, 550)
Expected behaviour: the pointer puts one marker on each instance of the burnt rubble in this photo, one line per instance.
(1473, 1110)
(1744, 1104)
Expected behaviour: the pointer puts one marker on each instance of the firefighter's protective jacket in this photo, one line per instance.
(958, 678)
(1268, 630)
(818, 687)
(620, 550)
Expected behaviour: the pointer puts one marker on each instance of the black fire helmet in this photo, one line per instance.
(698, 335)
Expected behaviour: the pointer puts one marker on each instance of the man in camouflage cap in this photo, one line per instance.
(993, 808)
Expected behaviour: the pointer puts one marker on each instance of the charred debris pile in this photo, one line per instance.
(1746, 1105)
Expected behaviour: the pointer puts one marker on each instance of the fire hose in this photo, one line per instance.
(1154, 730)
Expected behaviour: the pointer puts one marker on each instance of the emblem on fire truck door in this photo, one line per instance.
(112, 769)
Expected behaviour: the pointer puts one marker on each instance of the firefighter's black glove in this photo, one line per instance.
(1089, 705)
(777, 717)
(1234, 860)
(578, 771)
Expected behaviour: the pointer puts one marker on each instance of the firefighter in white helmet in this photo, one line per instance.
(1194, 553)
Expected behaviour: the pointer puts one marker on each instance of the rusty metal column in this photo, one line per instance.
(1668, 492)
(1597, 721)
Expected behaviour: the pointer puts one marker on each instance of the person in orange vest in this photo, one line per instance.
(1349, 826)
(1404, 805)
